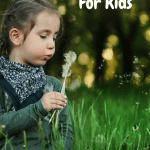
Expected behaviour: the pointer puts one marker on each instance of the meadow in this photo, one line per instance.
(112, 118)
(109, 118)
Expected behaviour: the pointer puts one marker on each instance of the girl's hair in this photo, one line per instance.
(21, 14)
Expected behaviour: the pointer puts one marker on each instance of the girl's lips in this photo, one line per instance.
(47, 57)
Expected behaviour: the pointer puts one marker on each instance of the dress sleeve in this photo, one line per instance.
(15, 121)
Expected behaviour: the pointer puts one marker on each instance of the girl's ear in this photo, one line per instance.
(16, 36)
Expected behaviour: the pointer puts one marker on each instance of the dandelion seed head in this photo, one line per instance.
(70, 57)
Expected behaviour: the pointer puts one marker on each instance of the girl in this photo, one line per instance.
(27, 41)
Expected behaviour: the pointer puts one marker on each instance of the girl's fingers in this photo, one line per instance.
(57, 102)
(65, 96)
(60, 98)
(55, 106)
(56, 95)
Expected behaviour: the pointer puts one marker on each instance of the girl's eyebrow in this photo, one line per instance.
(48, 31)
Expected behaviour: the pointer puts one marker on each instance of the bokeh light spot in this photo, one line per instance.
(72, 18)
(113, 39)
(62, 9)
(89, 79)
(107, 54)
(89, 35)
(72, 2)
(144, 18)
(76, 39)
(54, 2)
(83, 58)
(147, 34)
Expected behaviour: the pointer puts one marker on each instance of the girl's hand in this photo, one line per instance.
(53, 100)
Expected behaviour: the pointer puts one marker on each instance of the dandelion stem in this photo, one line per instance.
(69, 58)
(62, 91)
(52, 116)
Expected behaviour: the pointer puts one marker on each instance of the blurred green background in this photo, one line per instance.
(112, 45)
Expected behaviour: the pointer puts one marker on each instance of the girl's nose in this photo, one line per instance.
(51, 44)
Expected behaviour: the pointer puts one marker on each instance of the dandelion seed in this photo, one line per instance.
(74, 85)
(120, 77)
(137, 103)
(136, 60)
(99, 68)
(135, 128)
(148, 130)
(136, 74)
(146, 93)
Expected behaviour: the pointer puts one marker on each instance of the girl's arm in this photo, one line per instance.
(15, 121)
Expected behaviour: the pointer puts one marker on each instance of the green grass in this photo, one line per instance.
(110, 118)
(116, 119)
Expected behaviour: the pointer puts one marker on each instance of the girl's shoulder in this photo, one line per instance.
(53, 84)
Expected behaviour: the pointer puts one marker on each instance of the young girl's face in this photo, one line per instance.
(39, 46)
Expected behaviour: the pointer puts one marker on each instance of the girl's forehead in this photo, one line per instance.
(47, 20)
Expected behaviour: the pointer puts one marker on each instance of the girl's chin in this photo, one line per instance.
(38, 64)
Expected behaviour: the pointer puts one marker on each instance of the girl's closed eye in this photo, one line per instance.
(43, 37)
